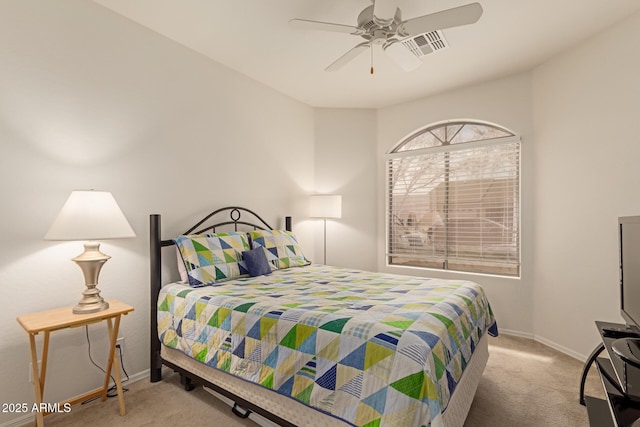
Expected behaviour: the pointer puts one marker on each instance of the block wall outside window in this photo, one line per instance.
(453, 199)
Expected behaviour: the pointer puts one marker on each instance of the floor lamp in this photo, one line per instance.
(325, 206)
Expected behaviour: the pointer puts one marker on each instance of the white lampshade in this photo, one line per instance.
(90, 215)
(325, 206)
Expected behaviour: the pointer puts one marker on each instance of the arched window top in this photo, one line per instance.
(451, 133)
(453, 199)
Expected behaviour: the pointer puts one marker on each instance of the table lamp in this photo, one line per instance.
(325, 206)
(90, 215)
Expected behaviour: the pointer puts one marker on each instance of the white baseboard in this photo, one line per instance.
(139, 376)
(515, 333)
(562, 349)
(548, 343)
(29, 419)
(20, 421)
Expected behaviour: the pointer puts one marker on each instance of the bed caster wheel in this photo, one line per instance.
(239, 411)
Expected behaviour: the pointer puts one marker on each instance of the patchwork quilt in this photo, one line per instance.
(371, 349)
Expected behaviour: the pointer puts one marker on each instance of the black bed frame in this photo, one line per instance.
(242, 407)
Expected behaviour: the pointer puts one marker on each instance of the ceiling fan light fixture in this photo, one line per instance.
(402, 56)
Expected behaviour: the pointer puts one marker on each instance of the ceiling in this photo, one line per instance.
(253, 37)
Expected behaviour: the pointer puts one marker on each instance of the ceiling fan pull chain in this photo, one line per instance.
(371, 59)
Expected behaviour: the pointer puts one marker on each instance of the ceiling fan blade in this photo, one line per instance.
(462, 15)
(305, 24)
(351, 54)
(385, 10)
(402, 56)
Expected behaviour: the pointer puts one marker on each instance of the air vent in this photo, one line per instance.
(426, 43)
(367, 25)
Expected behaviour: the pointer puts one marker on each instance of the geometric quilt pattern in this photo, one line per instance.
(213, 258)
(372, 349)
(281, 248)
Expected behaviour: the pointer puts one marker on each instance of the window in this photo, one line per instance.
(453, 199)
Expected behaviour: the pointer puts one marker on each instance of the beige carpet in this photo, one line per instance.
(525, 384)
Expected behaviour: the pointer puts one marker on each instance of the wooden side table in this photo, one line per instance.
(62, 318)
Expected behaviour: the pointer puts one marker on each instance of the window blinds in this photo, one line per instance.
(456, 207)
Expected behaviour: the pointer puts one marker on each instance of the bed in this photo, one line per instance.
(309, 344)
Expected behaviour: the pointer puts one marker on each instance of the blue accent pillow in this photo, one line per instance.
(256, 262)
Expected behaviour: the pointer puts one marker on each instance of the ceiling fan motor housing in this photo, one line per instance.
(378, 31)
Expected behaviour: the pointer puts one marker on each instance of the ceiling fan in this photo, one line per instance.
(381, 24)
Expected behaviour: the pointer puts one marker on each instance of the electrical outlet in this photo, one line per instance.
(31, 370)
(120, 342)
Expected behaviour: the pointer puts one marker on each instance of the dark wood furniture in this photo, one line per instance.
(620, 380)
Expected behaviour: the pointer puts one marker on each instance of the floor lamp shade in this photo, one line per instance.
(90, 215)
(325, 206)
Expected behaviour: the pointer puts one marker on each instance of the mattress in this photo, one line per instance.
(304, 416)
(364, 348)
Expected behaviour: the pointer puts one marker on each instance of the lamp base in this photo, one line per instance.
(93, 307)
(90, 262)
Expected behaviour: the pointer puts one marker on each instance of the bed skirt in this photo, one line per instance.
(301, 415)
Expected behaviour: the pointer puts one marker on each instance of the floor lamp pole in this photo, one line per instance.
(325, 241)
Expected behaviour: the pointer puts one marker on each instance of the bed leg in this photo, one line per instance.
(156, 375)
(155, 245)
(186, 383)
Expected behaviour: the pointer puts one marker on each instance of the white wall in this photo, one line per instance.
(577, 116)
(506, 102)
(91, 100)
(586, 111)
(346, 164)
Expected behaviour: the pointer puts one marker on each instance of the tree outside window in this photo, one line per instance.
(453, 199)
